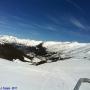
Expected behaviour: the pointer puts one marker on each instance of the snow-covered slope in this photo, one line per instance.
(74, 50)
(60, 75)
(54, 76)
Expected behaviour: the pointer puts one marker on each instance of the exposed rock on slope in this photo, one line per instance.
(48, 51)
(8, 51)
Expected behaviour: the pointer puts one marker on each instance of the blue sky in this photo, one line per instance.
(58, 20)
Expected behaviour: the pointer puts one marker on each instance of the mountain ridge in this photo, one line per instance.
(54, 50)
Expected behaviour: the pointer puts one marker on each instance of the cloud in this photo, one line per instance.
(54, 20)
(74, 4)
(49, 27)
(2, 22)
(17, 18)
(15, 23)
(77, 23)
(26, 25)
(37, 25)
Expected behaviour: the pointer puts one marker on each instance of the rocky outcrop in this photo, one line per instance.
(12, 51)
(9, 52)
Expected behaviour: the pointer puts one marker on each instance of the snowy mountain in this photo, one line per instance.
(60, 75)
(65, 49)
(12, 39)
